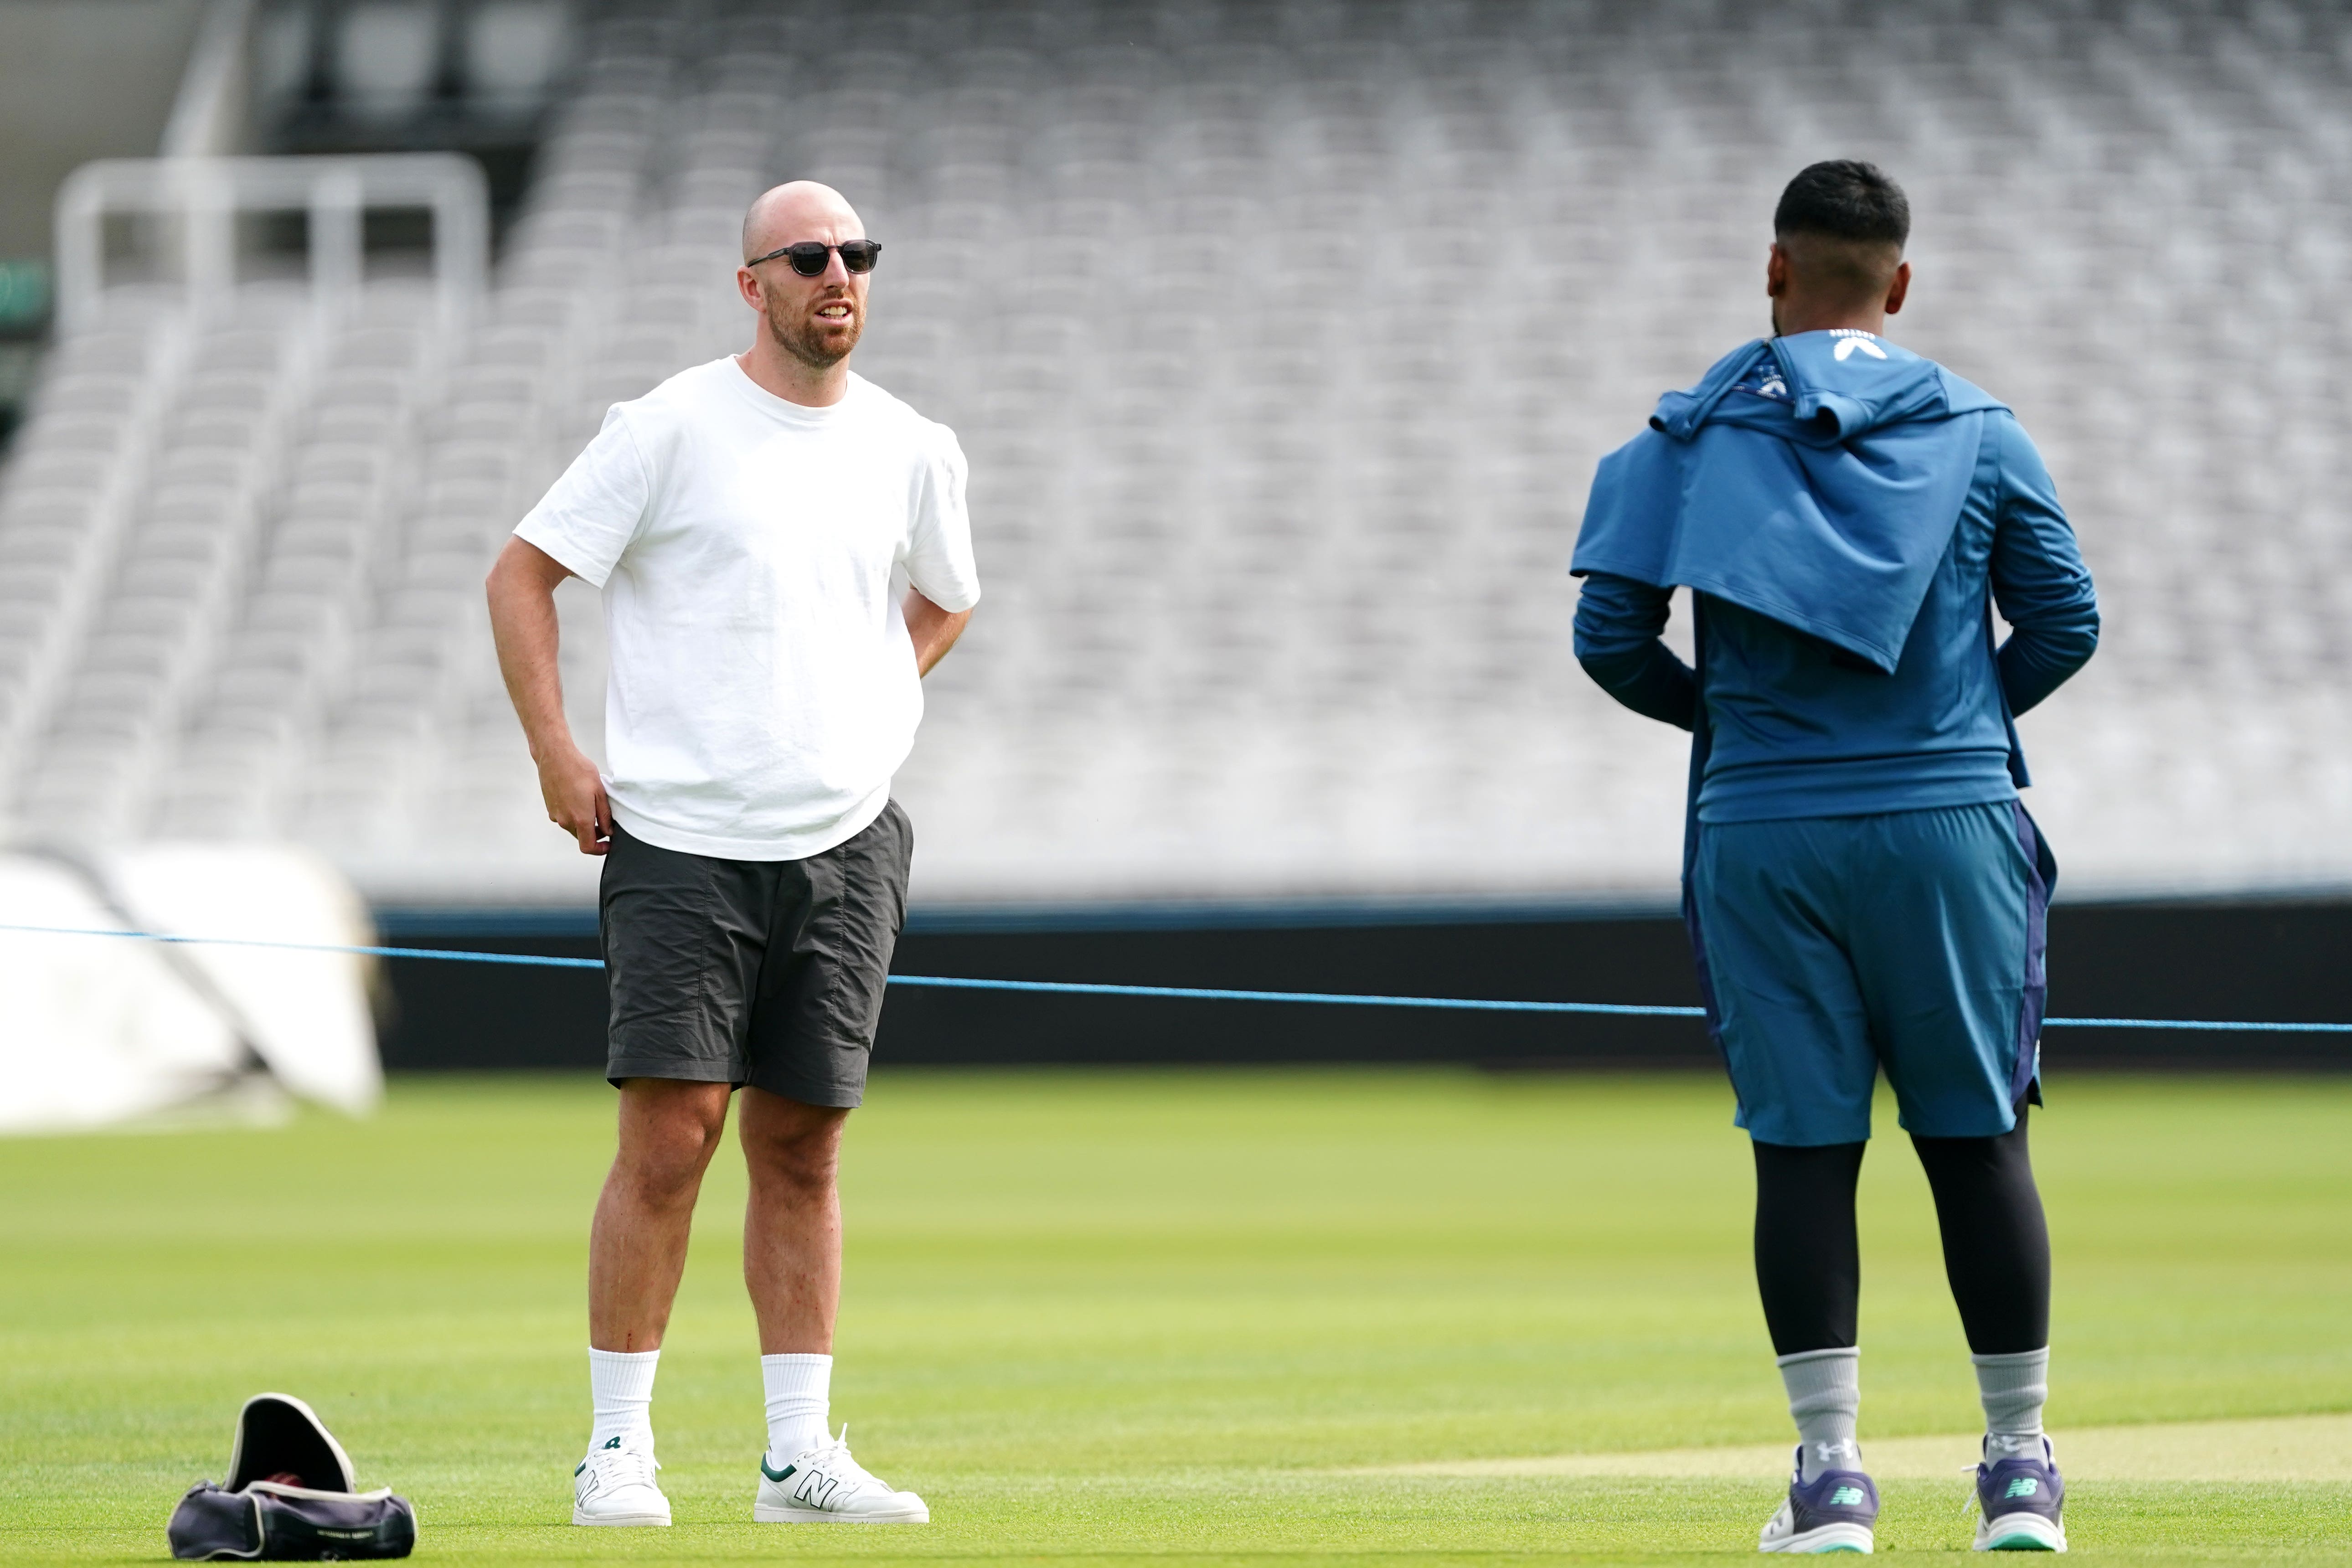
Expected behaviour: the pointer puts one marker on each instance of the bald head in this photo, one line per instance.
(800, 209)
(811, 321)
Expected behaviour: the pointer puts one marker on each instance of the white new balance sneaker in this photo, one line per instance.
(615, 1485)
(826, 1486)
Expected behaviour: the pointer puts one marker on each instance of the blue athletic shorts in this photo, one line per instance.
(1830, 947)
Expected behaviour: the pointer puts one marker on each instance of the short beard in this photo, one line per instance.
(805, 341)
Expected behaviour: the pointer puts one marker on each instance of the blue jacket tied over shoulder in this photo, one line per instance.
(1842, 511)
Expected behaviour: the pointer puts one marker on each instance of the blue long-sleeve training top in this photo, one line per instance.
(1800, 726)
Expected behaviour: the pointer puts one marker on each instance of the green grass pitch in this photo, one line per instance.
(1188, 1318)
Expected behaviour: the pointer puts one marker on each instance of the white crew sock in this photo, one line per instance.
(1825, 1399)
(800, 1390)
(621, 1383)
(2013, 1387)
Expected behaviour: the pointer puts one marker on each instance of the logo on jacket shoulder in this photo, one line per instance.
(1852, 338)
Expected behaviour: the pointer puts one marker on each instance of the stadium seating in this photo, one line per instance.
(1283, 340)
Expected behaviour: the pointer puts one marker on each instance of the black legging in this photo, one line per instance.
(1996, 1245)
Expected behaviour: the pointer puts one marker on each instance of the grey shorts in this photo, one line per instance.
(767, 973)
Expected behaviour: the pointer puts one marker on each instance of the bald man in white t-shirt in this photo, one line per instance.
(743, 520)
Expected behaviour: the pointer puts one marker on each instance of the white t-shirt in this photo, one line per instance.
(763, 688)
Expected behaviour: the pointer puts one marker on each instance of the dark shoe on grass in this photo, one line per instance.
(1837, 1511)
(2018, 1496)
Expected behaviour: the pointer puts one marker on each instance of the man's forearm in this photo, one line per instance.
(932, 630)
(2035, 662)
(1650, 680)
(525, 627)
(1616, 640)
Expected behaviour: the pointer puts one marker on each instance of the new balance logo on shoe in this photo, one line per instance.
(1846, 1497)
(816, 1487)
(2023, 1486)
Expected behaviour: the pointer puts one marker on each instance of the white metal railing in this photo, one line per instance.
(206, 195)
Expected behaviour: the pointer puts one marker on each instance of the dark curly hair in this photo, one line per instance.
(1845, 199)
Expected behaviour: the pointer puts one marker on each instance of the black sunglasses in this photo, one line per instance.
(811, 256)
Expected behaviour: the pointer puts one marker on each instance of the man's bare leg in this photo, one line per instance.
(636, 1251)
(792, 1263)
(791, 1228)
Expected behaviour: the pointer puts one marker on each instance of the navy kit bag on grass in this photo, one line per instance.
(289, 1497)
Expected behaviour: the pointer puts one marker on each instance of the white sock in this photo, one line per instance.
(2014, 1388)
(621, 1383)
(800, 1390)
(1826, 1400)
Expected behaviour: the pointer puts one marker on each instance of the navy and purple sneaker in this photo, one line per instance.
(1834, 1512)
(2019, 1496)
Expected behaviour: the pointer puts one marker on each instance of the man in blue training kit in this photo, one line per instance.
(1861, 886)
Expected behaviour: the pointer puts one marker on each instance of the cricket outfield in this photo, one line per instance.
(1367, 1316)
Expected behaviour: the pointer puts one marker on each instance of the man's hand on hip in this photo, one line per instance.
(932, 630)
(574, 792)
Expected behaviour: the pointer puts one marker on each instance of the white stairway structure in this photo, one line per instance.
(1283, 340)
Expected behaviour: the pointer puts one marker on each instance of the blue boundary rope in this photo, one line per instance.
(1178, 993)
(1324, 998)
